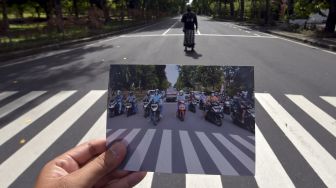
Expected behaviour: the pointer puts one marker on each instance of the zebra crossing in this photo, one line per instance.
(269, 169)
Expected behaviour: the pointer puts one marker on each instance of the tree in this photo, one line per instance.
(242, 9)
(232, 8)
(5, 23)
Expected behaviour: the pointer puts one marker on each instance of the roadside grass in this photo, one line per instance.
(30, 35)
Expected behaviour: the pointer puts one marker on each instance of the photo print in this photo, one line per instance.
(191, 119)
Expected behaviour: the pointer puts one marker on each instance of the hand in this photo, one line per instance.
(89, 165)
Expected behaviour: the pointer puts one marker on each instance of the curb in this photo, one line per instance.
(305, 40)
(22, 53)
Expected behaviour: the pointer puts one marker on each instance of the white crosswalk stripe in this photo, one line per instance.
(320, 160)
(19, 102)
(28, 118)
(6, 94)
(315, 112)
(330, 100)
(14, 166)
(269, 171)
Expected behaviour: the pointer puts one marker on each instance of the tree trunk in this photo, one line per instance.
(106, 11)
(59, 15)
(290, 7)
(331, 20)
(75, 7)
(253, 9)
(5, 23)
(267, 12)
(242, 9)
(232, 8)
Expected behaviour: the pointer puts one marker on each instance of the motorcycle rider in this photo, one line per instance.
(180, 97)
(119, 99)
(211, 99)
(241, 106)
(147, 97)
(157, 98)
(132, 99)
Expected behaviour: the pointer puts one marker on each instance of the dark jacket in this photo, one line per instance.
(189, 19)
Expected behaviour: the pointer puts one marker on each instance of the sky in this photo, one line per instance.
(172, 73)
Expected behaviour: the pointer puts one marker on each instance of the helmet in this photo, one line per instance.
(156, 91)
(212, 93)
(118, 92)
(148, 92)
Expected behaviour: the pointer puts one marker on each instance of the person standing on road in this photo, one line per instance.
(189, 19)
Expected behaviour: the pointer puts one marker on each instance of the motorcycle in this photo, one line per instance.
(146, 108)
(214, 114)
(192, 106)
(249, 117)
(181, 110)
(114, 109)
(227, 107)
(155, 113)
(130, 109)
(201, 105)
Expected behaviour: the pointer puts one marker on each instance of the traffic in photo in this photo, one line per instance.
(168, 111)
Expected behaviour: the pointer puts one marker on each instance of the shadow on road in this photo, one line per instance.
(193, 54)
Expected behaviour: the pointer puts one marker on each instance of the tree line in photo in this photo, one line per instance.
(138, 77)
(216, 78)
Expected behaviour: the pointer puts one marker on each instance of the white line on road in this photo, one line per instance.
(10, 107)
(191, 159)
(164, 162)
(131, 135)
(146, 182)
(170, 28)
(6, 94)
(269, 171)
(201, 181)
(318, 158)
(330, 100)
(98, 130)
(220, 161)
(25, 156)
(28, 118)
(245, 143)
(209, 35)
(315, 112)
(241, 156)
(138, 156)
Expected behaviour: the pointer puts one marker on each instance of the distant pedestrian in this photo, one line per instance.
(189, 19)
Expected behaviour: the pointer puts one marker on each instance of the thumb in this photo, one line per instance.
(106, 162)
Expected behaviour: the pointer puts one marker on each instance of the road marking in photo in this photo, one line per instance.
(220, 161)
(146, 182)
(268, 166)
(20, 123)
(10, 107)
(201, 181)
(164, 162)
(15, 166)
(98, 130)
(324, 119)
(251, 137)
(330, 100)
(131, 136)
(114, 135)
(243, 142)
(134, 163)
(170, 28)
(191, 159)
(6, 94)
(318, 158)
(241, 156)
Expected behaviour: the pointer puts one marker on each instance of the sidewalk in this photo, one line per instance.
(327, 43)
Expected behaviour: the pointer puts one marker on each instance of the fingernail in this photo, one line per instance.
(116, 149)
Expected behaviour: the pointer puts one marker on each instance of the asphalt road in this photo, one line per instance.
(295, 102)
(195, 127)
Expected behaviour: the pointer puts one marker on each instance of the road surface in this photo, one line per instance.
(51, 101)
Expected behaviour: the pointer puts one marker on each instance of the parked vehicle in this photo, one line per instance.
(214, 114)
(155, 113)
(181, 110)
(171, 94)
(249, 117)
(113, 109)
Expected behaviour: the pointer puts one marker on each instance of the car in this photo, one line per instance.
(171, 94)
